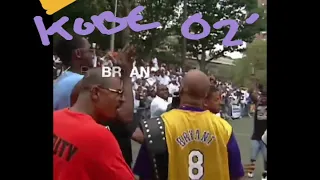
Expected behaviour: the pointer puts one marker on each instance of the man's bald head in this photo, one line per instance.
(162, 91)
(94, 77)
(195, 84)
(161, 87)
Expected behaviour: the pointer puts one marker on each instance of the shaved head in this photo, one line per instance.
(94, 77)
(196, 84)
(162, 91)
(161, 87)
(99, 96)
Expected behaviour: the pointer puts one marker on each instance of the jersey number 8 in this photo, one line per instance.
(195, 165)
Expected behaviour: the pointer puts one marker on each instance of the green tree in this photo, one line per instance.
(254, 66)
(214, 11)
(162, 11)
(82, 9)
(85, 9)
(167, 51)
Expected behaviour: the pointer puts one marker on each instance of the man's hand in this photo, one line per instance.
(124, 59)
(248, 168)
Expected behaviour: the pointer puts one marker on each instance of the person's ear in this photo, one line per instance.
(94, 93)
(77, 53)
(205, 103)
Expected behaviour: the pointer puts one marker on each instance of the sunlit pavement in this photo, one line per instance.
(242, 129)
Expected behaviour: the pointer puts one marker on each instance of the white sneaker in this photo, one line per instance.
(250, 174)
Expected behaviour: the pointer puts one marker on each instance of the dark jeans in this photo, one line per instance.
(245, 110)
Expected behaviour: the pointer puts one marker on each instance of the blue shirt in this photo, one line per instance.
(62, 89)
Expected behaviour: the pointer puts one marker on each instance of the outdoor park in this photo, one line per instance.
(246, 66)
(167, 43)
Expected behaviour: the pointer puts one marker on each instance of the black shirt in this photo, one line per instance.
(260, 122)
(123, 137)
(123, 133)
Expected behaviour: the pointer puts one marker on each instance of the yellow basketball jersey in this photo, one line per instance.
(197, 145)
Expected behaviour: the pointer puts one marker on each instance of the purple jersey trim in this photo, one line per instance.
(189, 108)
(143, 165)
(234, 156)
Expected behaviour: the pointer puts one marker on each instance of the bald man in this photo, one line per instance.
(79, 138)
(120, 128)
(190, 142)
(160, 103)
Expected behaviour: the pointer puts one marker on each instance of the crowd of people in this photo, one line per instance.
(85, 104)
(235, 102)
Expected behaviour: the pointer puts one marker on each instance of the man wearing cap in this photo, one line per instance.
(160, 103)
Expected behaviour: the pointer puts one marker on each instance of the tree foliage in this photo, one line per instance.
(166, 41)
(254, 66)
(155, 11)
(162, 11)
(85, 9)
(214, 11)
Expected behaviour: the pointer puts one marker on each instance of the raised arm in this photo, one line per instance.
(125, 112)
(125, 60)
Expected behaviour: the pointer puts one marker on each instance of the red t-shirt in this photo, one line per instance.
(85, 150)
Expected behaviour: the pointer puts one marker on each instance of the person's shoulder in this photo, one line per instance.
(223, 124)
(172, 113)
(60, 114)
(155, 101)
(69, 81)
(169, 111)
(74, 77)
(169, 107)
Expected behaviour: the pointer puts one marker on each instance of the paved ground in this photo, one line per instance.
(243, 130)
